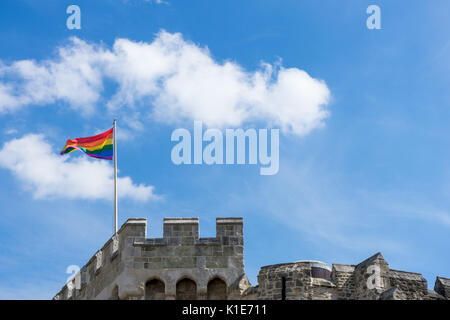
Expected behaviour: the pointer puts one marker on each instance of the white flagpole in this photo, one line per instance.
(115, 176)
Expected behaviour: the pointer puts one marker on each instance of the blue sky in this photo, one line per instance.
(364, 141)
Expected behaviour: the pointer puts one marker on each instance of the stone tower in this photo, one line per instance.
(180, 265)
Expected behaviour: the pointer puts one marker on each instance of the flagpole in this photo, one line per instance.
(115, 176)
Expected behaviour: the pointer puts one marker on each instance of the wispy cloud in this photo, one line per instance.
(148, 1)
(49, 175)
(417, 211)
(306, 200)
(10, 131)
(157, 1)
(177, 78)
(324, 209)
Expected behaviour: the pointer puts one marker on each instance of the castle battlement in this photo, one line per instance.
(129, 260)
(181, 265)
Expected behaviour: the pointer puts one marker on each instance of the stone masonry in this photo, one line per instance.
(181, 265)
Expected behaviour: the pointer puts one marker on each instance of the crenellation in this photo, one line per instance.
(185, 229)
(343, 276)
(84, 278)
(114, 247)
(371, 277)
(413, 285)
(98, 262)
(181, 264)
(442, 287)
(294, 281)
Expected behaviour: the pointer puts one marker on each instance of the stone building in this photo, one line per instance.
(181, 265)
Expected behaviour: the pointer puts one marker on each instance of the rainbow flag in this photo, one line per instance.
(99, 146)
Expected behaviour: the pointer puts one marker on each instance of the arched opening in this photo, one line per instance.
(115, 293)
(186, 290)
(155, 290)
(283, 288)
(217, 289)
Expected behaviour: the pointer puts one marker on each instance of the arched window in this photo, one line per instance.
(217, 289)
(155, 290)
(186, 290)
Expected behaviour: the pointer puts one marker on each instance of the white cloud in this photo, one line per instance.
(73, 77)
(49, 175)
(179, 79)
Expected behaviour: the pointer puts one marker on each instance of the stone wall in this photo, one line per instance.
(293, 281)
(369, 280)
(181, 254)
(442, 287)
(181, 265)
(128, 262)
(104, 267)
(412, 285)
(343, 276)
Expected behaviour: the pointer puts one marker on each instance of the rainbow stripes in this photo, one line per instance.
(99, 146)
